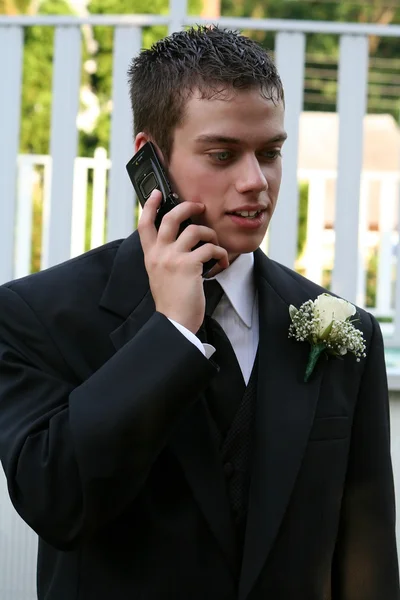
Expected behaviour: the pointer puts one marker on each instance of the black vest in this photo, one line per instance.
(236, 454)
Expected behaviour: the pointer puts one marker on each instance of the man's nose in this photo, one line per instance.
(251, 177)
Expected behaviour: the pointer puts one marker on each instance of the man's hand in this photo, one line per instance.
(174, 270)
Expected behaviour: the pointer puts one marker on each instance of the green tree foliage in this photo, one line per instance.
(101, 80)
(302, 219)
(321, 66)
(323, 50)
(37, 81)
(15, 7)
(36, 97)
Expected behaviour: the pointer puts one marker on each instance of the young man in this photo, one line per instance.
(153, 461)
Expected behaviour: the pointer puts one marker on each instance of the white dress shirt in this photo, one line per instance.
(237, 313)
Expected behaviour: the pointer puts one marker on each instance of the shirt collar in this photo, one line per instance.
(237, 281)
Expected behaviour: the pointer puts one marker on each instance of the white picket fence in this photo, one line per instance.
(290, 57)
(385, 238)
(34, 172)
(97, 169)
(63, 216)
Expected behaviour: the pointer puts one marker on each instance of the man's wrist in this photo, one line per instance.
(206, 349)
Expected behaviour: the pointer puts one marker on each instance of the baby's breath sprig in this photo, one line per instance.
(326, 324)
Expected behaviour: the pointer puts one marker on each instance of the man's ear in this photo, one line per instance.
(141, 139)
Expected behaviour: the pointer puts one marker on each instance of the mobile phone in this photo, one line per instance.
(147, 174)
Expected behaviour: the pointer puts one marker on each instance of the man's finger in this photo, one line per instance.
(146, 228)
(208, 251)
(194, 234)
(172, 221)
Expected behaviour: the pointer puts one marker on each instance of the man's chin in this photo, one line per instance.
(235, 250)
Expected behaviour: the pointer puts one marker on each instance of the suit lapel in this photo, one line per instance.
(127, 294)
(284, 415)
(128, 283)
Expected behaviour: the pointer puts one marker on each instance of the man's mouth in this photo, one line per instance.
(248, 214)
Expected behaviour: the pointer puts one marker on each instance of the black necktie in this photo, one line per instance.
(227, 388)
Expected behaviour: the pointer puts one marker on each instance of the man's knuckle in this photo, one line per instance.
(208, 246)
(152, 258)
(169, 218)
(192, 229)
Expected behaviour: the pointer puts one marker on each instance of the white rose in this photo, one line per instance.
(328, 307)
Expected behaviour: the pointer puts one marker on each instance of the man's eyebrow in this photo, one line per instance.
(281, 137)
(223, 139)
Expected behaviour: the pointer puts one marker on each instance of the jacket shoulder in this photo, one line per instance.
(89, 271)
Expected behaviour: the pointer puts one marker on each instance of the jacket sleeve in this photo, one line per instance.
(366, 564)
(75, 456)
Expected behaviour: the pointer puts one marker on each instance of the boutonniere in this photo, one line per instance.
(327, 324)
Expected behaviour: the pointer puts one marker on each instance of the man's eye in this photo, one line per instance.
(271, 154)
(221, 156)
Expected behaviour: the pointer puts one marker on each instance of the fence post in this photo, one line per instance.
(352, 95)
(387, 203)
(23, 230)
(63, 146)
(361, 298)
(178, 14)
(11, 48)
(79, 205)
(315, 227)
(396, 333)
(100, 166)
(121, 197)
(290, 58)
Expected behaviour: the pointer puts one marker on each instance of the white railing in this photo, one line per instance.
(320, 239)
(290, 57)
(33, 169)
(63, 214)
(385, 238)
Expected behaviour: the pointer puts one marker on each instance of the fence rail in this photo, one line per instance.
(61, 215)
(289, 49)
(320, 239)
(178, 8)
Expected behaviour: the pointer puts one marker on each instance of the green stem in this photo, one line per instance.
(313, 357)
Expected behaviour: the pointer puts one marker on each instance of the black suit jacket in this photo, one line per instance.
(105, 441)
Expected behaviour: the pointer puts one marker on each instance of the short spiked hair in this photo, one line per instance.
(208, 59)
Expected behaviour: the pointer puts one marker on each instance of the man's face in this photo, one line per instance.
(226, 154)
